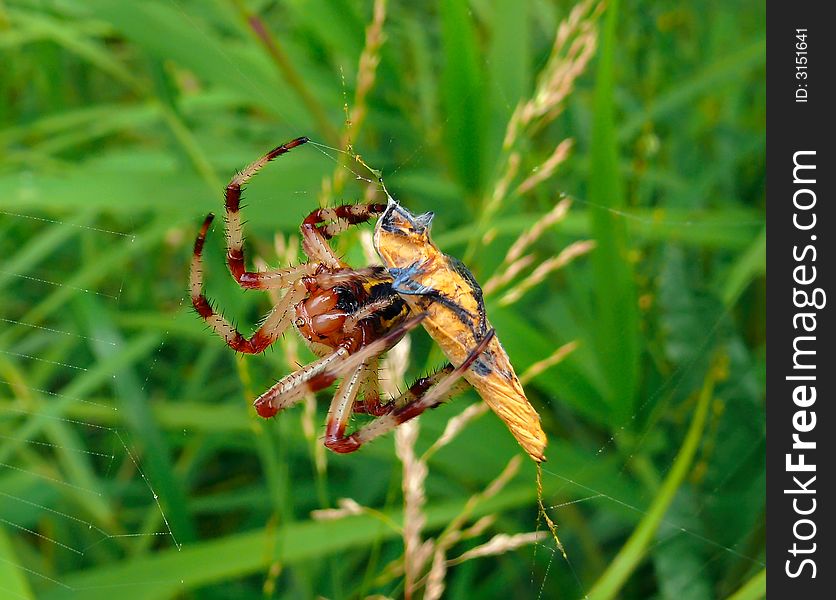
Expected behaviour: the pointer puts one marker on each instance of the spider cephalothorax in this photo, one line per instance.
(348, 318)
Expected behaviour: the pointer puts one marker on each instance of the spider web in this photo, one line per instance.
(69, 469)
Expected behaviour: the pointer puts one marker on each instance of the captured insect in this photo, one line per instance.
(349, 317)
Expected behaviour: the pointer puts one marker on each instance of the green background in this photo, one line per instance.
(125, 427)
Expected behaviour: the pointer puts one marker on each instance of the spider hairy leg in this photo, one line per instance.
(234, 227)
(370, 386)
(427, 392)
(341, 407)
(292, 388)
(320, 374)
(273, 325)
(324, 223)
(330, 222)
(374, 406)
(378, 346)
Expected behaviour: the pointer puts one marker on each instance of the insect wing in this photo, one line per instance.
(501, 389)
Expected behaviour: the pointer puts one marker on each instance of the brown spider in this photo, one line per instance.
(348, 318)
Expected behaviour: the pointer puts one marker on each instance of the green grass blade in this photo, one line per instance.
(616, 327)
(84, 47)
(508, 64)
(730, 68)
(463, 95)
(749, 265)
(754, 589)
(76, 390)
(172, 572)
(41, 246)
(88, 277)
(633, 551)
(12, 580)
(168, 33)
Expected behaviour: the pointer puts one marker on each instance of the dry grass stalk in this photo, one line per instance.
(414, 475)
(551, 360)
(505, 277)
(507, 474)
(479, 527)
(547, 168)
(548, 266)
(500, 189)
(367, 69)
(417, 553)
(347, 508)
(555, 215)
(434, 586)
(434, 582)
(500, 544)
(514, 263)
(572, 50)
(452, 533)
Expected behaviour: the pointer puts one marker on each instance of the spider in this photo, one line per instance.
(349, 317)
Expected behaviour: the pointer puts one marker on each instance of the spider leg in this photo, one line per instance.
(374, 406)
(274, 278)
(271, 328)
(320, 374)
(324, 223)
(370, 386)
(426, 393)
(368, 310)
(342, 405)
(292, 388)
(377, 347)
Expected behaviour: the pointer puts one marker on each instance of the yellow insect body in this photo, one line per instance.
(442, 287)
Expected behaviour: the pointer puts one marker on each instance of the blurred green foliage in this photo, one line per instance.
(121, 121)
